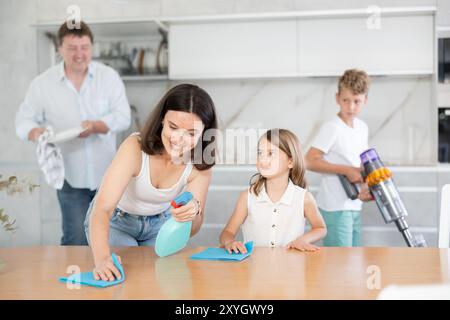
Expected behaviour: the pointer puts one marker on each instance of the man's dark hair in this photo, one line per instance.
(65, 30)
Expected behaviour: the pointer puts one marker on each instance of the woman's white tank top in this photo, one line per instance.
(142, 198)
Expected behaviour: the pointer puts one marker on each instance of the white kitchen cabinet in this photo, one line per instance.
(302, 44)
(402, 45)
(244, 49)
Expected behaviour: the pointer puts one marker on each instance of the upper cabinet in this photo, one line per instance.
(299, 44)
(233, 49)
(401, 45)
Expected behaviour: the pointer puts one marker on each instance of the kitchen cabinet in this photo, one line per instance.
(402, 45)
(302, 44)
(244, 49)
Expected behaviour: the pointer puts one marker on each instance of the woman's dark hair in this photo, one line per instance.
(186, 98)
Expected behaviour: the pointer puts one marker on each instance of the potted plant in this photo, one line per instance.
(12, 186)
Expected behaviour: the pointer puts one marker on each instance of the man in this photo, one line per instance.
(77, 92)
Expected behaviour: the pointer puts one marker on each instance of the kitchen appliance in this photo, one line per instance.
(444, 135)
(379, 179)
(382, 187)
(444, 60)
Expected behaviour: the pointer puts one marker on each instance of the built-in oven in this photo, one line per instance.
(444, 98)
(444, 60)
(444, 135)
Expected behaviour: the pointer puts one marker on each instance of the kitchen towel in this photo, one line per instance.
(222, 254)
(50, 160)
(87, 278)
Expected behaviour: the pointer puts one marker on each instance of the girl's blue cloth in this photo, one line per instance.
(222, 254)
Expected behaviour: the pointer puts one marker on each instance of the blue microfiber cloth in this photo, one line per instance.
(87, 278)
(222, 254)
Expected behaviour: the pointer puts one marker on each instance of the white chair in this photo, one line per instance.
(444, 220)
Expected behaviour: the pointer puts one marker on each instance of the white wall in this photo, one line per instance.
(18, 55)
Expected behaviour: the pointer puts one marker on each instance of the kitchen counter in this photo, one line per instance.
(269, 273)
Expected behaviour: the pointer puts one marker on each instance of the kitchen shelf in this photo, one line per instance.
(108, 34)
(156, 77)
(378, 73)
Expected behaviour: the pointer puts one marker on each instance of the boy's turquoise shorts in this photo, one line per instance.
(343, 228)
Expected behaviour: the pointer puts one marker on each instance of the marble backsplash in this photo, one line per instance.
(400, 113)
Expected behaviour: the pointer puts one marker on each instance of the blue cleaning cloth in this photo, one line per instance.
(222, 254)
(87, 278)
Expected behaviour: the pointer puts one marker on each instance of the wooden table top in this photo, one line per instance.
(269, 273)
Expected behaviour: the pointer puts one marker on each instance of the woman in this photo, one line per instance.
(150, 169)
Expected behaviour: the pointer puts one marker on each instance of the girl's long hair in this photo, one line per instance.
(287, 142)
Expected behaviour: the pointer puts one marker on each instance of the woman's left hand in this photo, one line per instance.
(185, 213)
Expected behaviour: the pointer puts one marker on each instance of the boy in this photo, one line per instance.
(335, 151)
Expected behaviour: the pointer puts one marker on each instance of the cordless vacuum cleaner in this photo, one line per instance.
(382, 186)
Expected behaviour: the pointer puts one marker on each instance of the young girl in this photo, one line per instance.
(273, 210)
(149, 170)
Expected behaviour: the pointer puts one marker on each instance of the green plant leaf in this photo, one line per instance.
(13, 186)
(12, 179)
(7, 223)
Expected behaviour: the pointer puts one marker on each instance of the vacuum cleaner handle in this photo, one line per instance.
(350, 189)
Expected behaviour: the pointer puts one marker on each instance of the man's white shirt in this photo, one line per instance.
(52, 100)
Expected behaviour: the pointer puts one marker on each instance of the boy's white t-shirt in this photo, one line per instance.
(341, 145)
(271, 224)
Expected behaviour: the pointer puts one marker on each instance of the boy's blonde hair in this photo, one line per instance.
(356, 80)
(287, 142)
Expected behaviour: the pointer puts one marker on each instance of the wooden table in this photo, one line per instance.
(331, 273)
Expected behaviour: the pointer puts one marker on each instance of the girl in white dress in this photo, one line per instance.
(273, 210)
